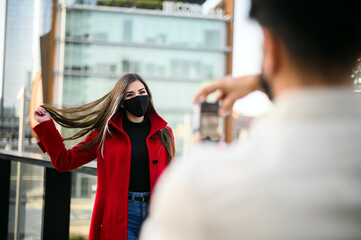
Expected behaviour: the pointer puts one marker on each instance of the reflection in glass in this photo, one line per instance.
(82, 201)
(30, 202)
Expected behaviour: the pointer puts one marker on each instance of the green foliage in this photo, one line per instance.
(145, 4)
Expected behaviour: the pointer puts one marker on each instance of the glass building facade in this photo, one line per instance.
(174, 53)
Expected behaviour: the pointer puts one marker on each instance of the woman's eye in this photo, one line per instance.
(142, 92)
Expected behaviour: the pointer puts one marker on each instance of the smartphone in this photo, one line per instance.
(207, 121)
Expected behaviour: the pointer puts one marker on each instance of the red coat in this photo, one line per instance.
(110, 213)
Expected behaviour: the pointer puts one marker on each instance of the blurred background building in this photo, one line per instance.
(22, 23)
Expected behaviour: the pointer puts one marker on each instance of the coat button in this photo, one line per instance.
(155, 161)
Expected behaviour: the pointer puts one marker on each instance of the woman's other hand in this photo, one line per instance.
(40, 114)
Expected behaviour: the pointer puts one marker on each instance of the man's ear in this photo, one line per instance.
(271, 54)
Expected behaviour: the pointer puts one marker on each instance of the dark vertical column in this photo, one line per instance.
(56, 211)
(5, 173)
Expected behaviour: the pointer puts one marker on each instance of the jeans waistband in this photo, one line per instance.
(133, 195)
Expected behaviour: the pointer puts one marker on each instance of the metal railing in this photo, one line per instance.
(56, 194)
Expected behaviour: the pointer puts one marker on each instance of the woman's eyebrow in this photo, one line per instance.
(129, 92)
(141, 89)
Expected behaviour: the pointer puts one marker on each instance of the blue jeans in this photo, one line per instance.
(137, 212)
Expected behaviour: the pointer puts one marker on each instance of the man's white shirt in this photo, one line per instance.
(298, 176)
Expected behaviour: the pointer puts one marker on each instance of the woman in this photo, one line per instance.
(131, 143)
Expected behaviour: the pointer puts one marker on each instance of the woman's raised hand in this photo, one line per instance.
(231, 89)
(40, 114)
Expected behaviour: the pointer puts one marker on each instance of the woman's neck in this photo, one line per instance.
(133, 118)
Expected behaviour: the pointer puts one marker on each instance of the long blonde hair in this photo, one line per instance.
(95, 115)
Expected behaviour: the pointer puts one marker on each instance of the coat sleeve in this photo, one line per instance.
(63, 159)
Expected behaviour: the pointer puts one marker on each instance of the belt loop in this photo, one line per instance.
(132, 195)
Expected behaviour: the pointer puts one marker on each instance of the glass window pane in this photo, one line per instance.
(176, 64)
(82, 201)
(31, 201)
(137, 28)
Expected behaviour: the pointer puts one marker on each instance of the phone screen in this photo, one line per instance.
(208, 121)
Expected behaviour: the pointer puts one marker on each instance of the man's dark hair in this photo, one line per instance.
(321, 35)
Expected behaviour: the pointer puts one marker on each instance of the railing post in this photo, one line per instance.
(18, 191)
(56, 210)
(5, 173)
(22, 97)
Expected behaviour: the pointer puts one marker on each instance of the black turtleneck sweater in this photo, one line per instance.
(139, 171)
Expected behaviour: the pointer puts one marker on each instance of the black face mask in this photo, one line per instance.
(137, 105)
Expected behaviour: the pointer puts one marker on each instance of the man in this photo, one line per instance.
(298, 176)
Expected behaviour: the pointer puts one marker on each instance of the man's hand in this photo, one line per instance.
(40, 114)
(231, 89)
